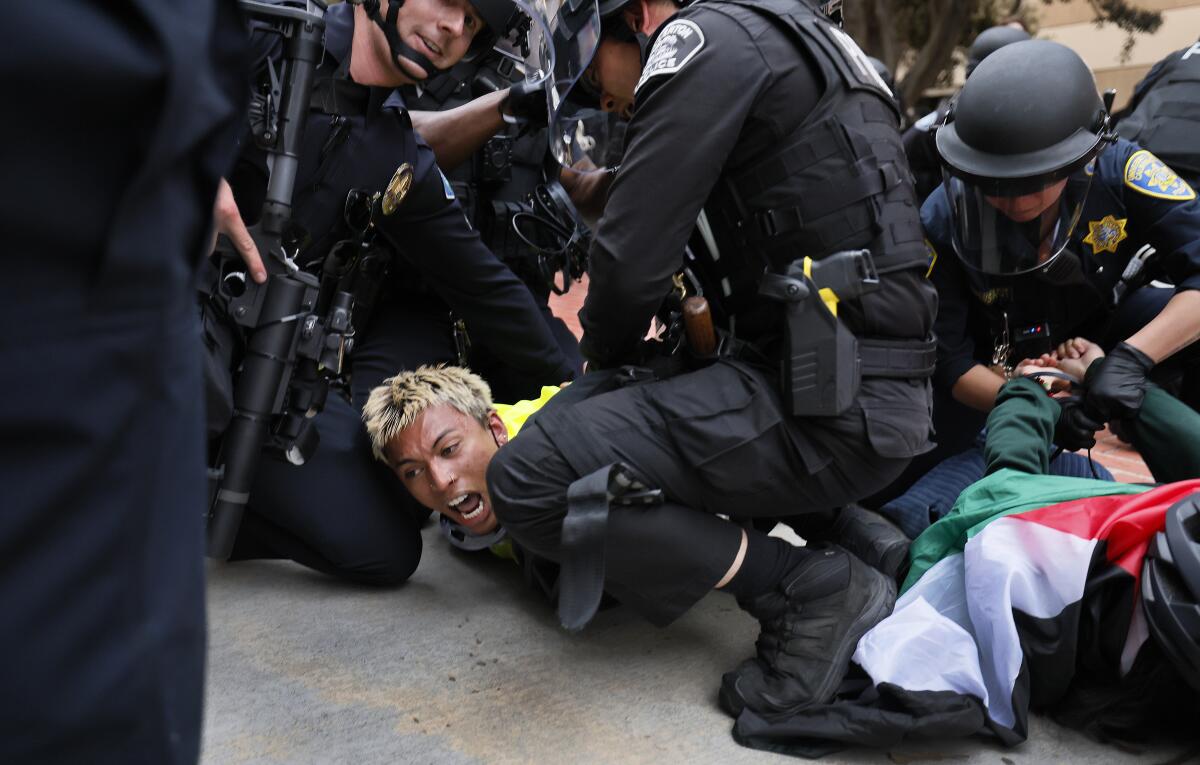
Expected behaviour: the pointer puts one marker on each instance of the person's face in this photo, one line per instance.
(614, 73)
(1027, 207)
(440, 30)
(442, 459)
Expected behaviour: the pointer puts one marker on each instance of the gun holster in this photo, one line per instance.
(820, 368)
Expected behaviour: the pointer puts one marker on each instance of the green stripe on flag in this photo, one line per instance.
(1005, 492)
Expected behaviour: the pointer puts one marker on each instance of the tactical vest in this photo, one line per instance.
(496, 183)
(1033, 314)
(843, 167)
(1167, 120)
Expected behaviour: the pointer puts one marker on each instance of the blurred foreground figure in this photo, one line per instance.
(101, 440)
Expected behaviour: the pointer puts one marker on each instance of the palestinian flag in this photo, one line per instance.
(1027, 590)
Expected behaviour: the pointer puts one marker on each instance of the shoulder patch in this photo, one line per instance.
(678, 44)
(931, 253)
(1149, 175)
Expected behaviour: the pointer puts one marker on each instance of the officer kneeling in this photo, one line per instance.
(733, 95)
(1049, 215)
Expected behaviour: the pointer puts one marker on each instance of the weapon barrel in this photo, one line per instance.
(264, 371)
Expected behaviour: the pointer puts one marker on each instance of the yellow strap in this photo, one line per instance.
(828, 296)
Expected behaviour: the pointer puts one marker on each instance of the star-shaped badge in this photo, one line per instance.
(1105, 234)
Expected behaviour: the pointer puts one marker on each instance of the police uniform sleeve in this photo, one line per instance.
(432, 233)
(1163, 209)
(702, 78)
(955, 341)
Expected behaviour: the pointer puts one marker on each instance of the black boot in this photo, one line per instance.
(874, 539)
(811, 624)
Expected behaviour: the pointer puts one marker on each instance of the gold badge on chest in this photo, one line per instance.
(1106, 234)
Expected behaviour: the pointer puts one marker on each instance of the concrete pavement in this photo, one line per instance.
(464, 665)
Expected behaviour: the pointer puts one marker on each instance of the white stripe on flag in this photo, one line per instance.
(954, 629)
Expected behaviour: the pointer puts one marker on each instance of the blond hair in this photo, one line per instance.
(396, 404)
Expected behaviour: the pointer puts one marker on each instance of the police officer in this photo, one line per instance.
(764, 120)
(495, 183)
(101, 420)
(1164, 113)
(918, 139)
(340, 513)
(1037, 236)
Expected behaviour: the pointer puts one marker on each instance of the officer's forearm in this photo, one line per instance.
(456, 134)
(977, 388)
(1176, 327)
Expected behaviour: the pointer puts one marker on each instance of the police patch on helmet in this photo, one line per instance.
(677, 44)
(1148, 174)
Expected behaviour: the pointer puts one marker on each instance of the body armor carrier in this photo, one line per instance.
(1032, 314)
(1167, 118)
(496, 183)
(842, 168)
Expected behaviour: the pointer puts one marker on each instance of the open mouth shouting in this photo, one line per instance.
(470, 510)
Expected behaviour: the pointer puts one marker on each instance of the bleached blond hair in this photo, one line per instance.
(396, 404)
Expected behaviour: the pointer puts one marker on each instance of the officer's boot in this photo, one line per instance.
(873, 538)
(811, 623)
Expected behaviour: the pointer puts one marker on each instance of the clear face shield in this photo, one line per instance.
(582, 136)
(1015, 227)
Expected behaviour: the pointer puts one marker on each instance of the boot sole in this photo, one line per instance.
(883, 599)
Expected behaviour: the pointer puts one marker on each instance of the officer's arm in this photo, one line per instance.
(685, 124)
(431, 232)
(455, 134)
(968, 381)
(1176, 327)
(1173, 227)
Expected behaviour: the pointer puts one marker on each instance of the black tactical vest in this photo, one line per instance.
(1167, 119)
(1032, 314)
(497, 181)
(847, 179)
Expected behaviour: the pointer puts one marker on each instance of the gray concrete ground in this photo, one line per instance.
(464, 665)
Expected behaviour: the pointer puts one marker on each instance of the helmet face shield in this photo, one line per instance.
(1014, 230)
(581, 135)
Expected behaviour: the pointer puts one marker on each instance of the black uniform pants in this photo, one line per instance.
(343, 512)
(716, 441)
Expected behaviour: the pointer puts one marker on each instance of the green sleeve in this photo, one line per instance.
(1021, 428)
(1167, 435)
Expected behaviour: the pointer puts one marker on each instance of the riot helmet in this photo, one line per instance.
(582, 136)
(498, 16)
(991, 40)
(1017, 152)
(1171, 588)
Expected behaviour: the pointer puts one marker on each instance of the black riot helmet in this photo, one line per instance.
(498, 17)
(1171, 588)
(991, 40)
(1017, 155)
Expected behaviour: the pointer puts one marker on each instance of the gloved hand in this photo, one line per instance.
(1116, 384)
(1076, 427)
(525, 104)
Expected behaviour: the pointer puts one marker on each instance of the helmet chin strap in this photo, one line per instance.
(397, 46)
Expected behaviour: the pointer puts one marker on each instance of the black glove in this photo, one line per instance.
(1116, 384)
(525, 105)
(1076, 427)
